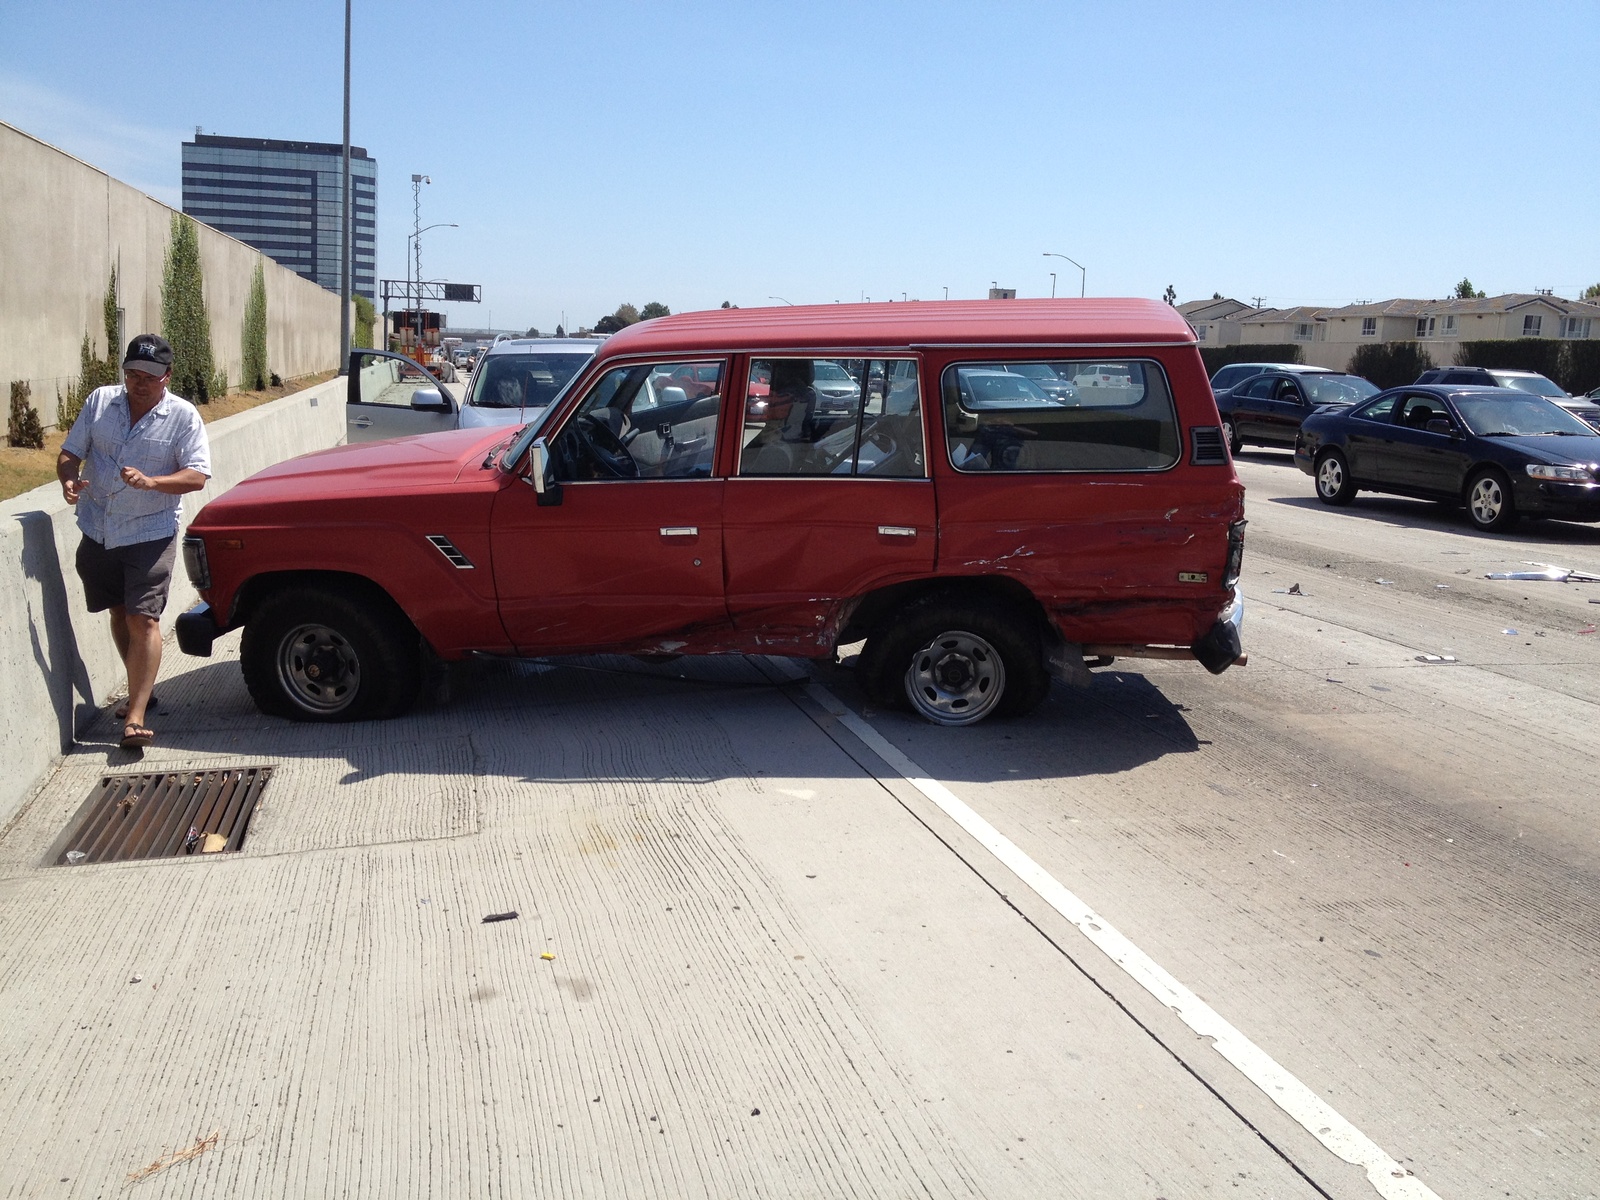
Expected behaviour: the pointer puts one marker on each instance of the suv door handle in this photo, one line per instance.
(906, 531)
(680, 531)
(361, 422)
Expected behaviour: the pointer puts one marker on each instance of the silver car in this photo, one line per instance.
(391, 396)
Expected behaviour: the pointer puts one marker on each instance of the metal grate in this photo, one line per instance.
(1206, 446)
(165, 815)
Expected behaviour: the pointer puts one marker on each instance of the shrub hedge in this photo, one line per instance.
(1389, 364)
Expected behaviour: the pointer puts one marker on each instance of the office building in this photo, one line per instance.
(284, 198)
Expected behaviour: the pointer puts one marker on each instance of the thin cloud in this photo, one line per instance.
(141, 156)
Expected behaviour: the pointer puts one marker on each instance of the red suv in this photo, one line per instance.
(979, 541)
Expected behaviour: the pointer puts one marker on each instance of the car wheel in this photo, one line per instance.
(1334, 484)
(1489, 503)
(1231, 436)
(321, 654)
(955, 663)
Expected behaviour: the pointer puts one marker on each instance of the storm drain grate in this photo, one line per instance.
(165, 815)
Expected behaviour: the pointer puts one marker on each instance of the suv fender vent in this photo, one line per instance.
(1206, 448)
(447, 548)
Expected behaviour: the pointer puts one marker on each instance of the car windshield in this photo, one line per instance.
(1518, 416)
(1536, 385)
(1337, 389)
(529, 380)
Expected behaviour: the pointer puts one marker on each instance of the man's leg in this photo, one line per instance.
(119, 632)
(143, 659)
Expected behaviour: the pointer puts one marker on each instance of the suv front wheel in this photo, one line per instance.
(323, 654)
(956, 663)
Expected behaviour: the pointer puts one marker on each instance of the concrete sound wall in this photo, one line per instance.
(57, 662)
(64, 224)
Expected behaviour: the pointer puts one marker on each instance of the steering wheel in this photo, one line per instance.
(605, 449)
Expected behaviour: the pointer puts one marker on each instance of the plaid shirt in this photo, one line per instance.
(169, 438)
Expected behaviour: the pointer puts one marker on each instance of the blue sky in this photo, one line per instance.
(597, 152)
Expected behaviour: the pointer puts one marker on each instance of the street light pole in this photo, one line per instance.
(1083, 280)
(1052, 285)
(790, 303)
(345, 238)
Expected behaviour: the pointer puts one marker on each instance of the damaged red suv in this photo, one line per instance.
(907, 480)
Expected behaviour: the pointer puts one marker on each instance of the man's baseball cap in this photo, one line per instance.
(148, 353)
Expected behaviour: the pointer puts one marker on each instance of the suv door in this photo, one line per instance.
(629, 554)
(1283, 412)
(389, 395)
(831, 496)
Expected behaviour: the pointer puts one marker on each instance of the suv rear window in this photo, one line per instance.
(1080, 416)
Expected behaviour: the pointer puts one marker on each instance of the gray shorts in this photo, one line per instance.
(136, 577)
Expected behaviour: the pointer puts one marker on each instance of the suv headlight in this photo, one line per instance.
(1564, 474)
(195, 562)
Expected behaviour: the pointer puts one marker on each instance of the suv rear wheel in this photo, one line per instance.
(955, 663)
(323, 654)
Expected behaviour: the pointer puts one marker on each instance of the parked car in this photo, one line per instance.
(1501, 452)
(1048, 380)
(517, 378)
(1584, 407)
(978, 549)
(1266, 409)
(1234, 373)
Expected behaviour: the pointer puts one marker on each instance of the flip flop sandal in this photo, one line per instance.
(137, 737)
(121, 711)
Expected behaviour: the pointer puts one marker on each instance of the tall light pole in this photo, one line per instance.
(946, 291)
(1052, 285)
(1083, 280)
(345, 237)
(790, 303)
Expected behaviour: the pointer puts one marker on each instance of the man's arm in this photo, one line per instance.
(176, 484)
(67, 465)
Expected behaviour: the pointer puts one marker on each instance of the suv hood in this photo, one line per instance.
(401, 465)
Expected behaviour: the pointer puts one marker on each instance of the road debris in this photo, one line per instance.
(1509, 632)
(1587, 629)
(174, 1157)
(1546, 573)
(1436, 658)
(1292, 590)
(137, 979)
(548, 956)
(74, 857)
(1385, 582)
(505, 916)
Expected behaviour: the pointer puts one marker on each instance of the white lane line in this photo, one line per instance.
(1314, 1114)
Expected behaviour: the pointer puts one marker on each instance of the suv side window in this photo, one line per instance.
(1261, 389)
(640, 422)
(1100, 416)
(807, 416)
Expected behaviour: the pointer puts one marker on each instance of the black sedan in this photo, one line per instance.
(1267, 409)
(1501, 452)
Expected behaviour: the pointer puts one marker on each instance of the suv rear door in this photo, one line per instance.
(830, 498)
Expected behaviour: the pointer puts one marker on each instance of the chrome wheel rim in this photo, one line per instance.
(956, 679)
(318, 668)
(1487, 500)
(1330, 476)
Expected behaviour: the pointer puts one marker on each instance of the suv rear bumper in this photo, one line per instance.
(1220, 648)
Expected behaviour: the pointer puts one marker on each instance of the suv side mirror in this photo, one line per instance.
(541, 474)
(429, 400)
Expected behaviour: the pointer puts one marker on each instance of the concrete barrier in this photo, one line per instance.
(57, 662)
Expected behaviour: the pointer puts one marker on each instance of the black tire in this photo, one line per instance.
(1334, 484)
(318, 653)
(1231, 436)
(1490, 506)
(954, 662)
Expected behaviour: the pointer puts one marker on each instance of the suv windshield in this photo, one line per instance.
(1537, 385)
(524, 380)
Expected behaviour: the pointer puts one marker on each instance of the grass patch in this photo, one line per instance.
(23, 470)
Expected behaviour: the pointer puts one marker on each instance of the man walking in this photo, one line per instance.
(143, 448)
